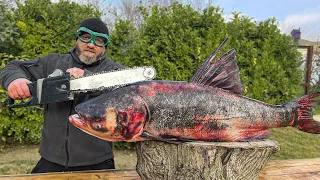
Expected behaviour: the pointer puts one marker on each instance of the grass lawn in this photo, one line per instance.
(296, 144)
(22, 159)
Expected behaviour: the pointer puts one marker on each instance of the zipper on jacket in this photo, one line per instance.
(67, 138)
(66, 145)
(70, 110)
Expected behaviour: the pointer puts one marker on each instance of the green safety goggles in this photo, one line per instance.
(88, 36)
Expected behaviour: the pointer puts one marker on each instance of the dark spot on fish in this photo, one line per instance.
(166, 136)
(215, 126)
(96, 119)
(256, 138)
(141, 110)
(123, 131)
(122, 118)
(137, 125)
(130, 131)
(125, 118)
(119, 128)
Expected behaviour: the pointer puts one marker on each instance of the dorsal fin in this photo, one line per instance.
(222, 73)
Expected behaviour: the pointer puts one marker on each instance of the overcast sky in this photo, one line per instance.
(291, 14)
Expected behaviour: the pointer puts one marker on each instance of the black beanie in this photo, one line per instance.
(95, 24)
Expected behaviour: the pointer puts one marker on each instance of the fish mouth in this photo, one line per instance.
(76, 120)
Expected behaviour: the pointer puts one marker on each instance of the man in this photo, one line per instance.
(63, 147)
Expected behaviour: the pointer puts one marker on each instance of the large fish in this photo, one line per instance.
(209, 107)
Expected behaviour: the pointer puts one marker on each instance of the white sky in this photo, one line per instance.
(291, 14)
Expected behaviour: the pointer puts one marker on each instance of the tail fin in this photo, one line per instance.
(305, 120)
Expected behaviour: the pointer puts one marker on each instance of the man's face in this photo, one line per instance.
(89, 53)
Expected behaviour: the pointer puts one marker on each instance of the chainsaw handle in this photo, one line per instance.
(33, 100)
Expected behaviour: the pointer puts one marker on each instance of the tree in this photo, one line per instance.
(122, 41)
(48, 27)
(9, 32)
(170, 39)
(268, 63)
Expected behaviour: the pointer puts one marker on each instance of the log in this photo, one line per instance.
(203, 160)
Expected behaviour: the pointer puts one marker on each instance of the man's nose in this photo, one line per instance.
(91, 45)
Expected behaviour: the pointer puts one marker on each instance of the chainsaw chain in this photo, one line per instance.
(108, 88)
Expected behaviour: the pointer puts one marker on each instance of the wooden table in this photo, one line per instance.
(299, 169)
(83, 175)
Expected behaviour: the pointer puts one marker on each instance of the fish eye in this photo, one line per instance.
(97, 126)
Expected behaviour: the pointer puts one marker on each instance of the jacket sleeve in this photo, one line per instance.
(30, 69)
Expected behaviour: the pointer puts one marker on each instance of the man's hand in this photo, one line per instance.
(76, 72)
(18, 89)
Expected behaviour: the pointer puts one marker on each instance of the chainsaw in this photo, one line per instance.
(60, 86)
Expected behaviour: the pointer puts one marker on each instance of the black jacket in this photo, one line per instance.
(61, 142)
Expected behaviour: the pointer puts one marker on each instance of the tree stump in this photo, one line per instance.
(203, 160)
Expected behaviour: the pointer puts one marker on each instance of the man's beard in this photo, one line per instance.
(89, 59)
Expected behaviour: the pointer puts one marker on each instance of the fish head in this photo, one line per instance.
(113, 116)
